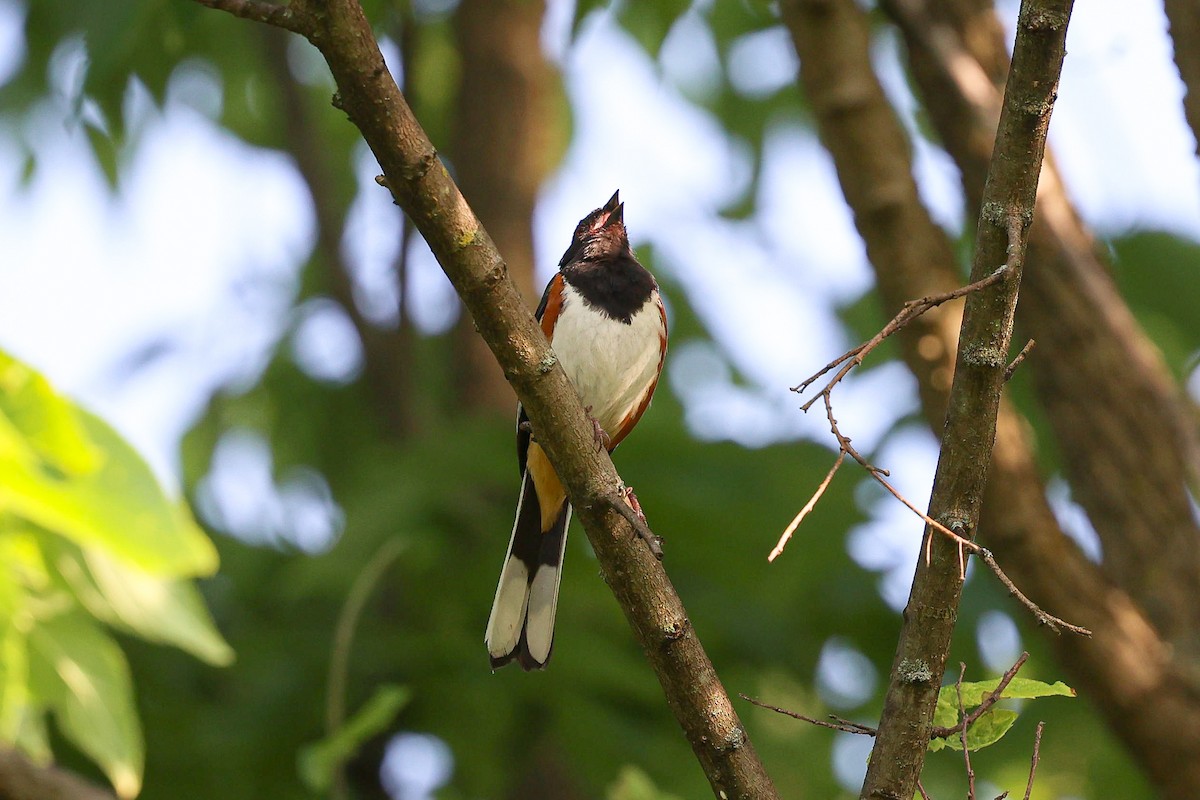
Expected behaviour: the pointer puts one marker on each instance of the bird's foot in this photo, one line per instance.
(627, 505)
(602, 439)
(631, 498)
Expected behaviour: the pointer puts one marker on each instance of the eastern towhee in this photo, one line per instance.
(605, 319)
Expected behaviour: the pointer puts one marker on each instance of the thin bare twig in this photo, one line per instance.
(911, 310)
(838, 724)
(1049, 620)
(847, 361)
(939, 732)
(921, 790)
(809, 506)
(962, 734)
(259, 11)
(1016, 362)
(1033, 763)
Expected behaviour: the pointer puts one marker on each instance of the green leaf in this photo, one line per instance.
(986, 730)
(14, 683)
(991, 726)
(634, 784)
(32, 411)
(973, 692)
(164, 610)
(98, 494)
(79, 671)
(319, 761)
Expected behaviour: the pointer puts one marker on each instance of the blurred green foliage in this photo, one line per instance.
(89, 544)
(86, 537)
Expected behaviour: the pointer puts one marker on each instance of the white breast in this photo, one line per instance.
(612, 364)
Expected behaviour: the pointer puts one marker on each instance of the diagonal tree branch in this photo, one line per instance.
(421, 185)
(974, 398)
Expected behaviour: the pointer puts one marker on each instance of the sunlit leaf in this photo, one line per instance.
(46, 420)
(119, 507)
(80, 673)
(986, 730)
(164, 610)
(991, 726)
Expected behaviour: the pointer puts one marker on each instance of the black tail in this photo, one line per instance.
(521, 626)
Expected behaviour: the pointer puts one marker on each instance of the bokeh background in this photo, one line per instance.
(193, 246)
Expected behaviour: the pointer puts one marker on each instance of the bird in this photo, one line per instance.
(604, 317)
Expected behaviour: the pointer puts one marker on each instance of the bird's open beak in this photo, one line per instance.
(614, 211)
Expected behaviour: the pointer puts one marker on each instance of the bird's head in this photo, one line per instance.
(601, 234)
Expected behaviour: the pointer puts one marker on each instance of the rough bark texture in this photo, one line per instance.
(501, 155)
(1184, 18)
(423, 188)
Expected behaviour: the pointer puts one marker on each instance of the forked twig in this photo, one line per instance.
(852, 358)
(910, 311)
(940, 732)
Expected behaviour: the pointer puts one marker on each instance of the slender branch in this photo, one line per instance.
(1016, 362)
(808, 507)
(970, 429)
(1033, 761)
(911, 310)
(939, 732)
(343, 638)
(837, 724)
(259, 11)
(962, 734)
(422, 186)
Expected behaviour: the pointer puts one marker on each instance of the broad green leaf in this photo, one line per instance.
(32, 410)
(165, 610)
(973, 692)
(79, 671)
(986, 730)
(320, 760)
(990, 727)
(634, 784)
(119, 507)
